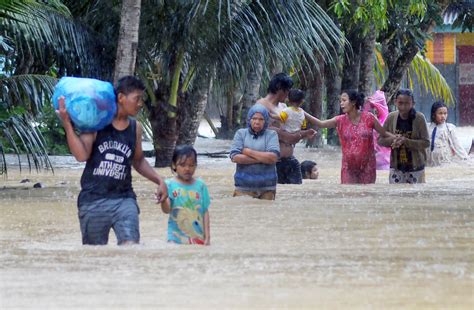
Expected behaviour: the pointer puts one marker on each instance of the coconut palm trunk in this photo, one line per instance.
(315, 92)
(333, 89)
(251, 93)
(192, 111)
(128, 39)
(398, 61)
(350, 79)
(367, 62)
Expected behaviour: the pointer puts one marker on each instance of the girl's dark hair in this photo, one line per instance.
(280, 81)
(356, 97)
(296, 95)
(181, 153)
(306, 167)
(435, 107)
(405, 92)
(128, 84)
(409, 93)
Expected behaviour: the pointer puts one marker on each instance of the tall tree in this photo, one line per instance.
(225, 37)
(39, 39)
(128, 39)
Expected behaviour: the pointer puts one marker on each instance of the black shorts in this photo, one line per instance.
(98, 217)
(289, 171)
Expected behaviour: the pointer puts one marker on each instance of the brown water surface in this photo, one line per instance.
(319, 245)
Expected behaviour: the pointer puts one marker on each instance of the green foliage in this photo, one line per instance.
(361, 14)
(53, 132)
(463, 9)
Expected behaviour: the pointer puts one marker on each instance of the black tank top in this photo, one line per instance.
(108, 170)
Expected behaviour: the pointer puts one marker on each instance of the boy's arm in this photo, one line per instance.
(207, 230)
(80, 146)
(143, 167)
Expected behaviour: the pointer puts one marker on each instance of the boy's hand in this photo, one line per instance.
(161, 193)
(62, 111)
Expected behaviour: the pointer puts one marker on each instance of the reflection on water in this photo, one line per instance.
(320, 244)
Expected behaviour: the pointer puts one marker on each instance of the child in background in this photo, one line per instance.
(409, 146)
(188, 201)
(309, 170)
(378, 104)
(445, 145)
(292, 118)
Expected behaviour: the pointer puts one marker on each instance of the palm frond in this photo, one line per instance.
(41, 31)
(24, 137)
(28, 91)
(429, 77)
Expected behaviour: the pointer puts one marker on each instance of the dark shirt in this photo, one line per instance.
(108, 170)
(404, 155)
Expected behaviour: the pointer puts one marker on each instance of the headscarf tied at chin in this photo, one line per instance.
(257, 108)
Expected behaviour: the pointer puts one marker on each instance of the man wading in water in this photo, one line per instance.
(288, 167)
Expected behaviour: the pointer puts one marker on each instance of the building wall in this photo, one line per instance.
(465, 50)
(453, 55)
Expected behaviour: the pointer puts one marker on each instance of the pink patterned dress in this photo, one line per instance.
(358, 154)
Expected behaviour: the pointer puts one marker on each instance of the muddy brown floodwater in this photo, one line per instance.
(319, 245)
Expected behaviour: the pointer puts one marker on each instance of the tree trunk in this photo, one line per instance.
(397, 61)
(128, 39)
(251, 94)
(165, 133)
(367, 62)
(230, 108)
(191, 112)
(333, 90)
(351, 68)
(315, 92)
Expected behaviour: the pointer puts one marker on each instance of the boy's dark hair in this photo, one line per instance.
(280, 81)
(296, 95)
(181, 153)
(356, 97)
(128, 84)
(306, 167)
(435, 107)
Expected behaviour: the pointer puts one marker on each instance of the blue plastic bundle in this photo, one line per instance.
(91, 103)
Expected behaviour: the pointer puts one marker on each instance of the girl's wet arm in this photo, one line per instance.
(166, 205)
(207, 230)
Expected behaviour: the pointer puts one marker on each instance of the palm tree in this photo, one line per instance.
(128, 39)
(38, 41)
(200, 41)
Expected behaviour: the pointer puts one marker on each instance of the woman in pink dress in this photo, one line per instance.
(355, 129)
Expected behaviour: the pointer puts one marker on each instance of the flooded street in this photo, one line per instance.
(319, 245)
